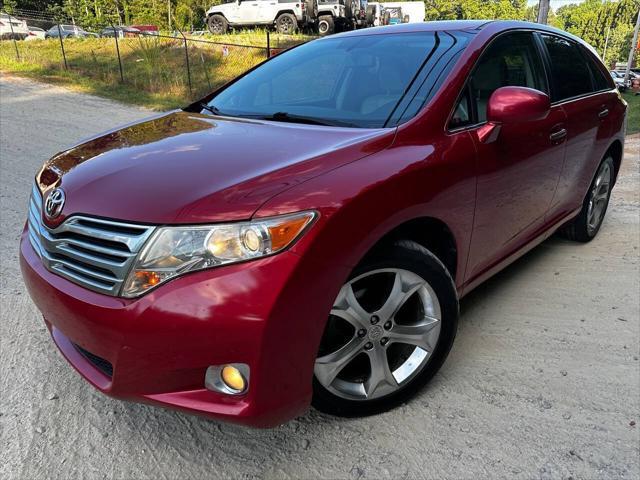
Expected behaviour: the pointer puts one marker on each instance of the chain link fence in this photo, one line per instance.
(152, 63)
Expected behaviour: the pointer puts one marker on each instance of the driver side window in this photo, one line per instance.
(511, 60)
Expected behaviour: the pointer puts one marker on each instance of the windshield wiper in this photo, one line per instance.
(210, 108)
(292, 118)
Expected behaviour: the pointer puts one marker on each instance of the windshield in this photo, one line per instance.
(353, 81)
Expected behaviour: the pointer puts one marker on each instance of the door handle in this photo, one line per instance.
(558, 135)
(603, 113)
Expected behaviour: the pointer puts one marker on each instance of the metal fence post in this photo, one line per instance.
(115, 36)
(13, 36)
(186, 55)
(206, 72)
(64, 55)
(268, 44)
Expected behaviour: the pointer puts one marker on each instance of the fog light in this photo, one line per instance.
(232, 379)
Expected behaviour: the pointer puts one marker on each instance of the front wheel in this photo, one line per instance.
(586, 225)
(388, 333)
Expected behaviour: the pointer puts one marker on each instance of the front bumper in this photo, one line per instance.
(268, 313)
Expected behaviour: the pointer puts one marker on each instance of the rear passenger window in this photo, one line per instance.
(511, 60)
(601, 82)
(571, 76)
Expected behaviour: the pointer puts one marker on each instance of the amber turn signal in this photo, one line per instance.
(286, 231)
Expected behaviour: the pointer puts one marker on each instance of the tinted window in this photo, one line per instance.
(511, 60)
(571, 76)
(354, 81)
(462, 114)
(600, 80)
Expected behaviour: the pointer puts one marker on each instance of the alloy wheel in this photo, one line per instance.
(599, 197)
(382, 330)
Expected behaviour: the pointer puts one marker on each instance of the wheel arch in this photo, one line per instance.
(616, 152)
(220, 14)
(282, 12)
(430, 232)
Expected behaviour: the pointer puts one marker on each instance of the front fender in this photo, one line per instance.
(361, 202)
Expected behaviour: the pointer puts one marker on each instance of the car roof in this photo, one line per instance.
(438, 25)
(456, 25)
(471, 26)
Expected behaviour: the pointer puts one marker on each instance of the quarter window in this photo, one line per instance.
(601, 82)
(571, 76)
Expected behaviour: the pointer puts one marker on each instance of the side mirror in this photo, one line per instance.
(508, 105)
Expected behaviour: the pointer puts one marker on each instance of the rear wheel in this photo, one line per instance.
(217, 24)
(325, 25)
(586, 225)
(286, 24)
(389, 331)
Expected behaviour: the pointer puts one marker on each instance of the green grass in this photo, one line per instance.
(155, 73)
(633, 119)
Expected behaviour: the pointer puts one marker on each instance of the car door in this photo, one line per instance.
(587, 98)
(248, 11)
(267, 10)
(517, 173)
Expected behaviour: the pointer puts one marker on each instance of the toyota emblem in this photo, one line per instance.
(54, 203)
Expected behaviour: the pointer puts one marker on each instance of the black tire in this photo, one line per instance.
(326, 25)
(579, 229)
(286, 24)
(406, 255)
(217, 24)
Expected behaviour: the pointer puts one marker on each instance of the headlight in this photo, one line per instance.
(173, 251)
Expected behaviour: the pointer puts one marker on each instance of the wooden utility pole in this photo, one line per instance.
(634, 45)
(543, 11)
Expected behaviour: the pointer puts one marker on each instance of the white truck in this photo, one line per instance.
(341, 15)
(11, 27)
(288, 16)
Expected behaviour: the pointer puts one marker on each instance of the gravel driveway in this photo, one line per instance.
(543, 380)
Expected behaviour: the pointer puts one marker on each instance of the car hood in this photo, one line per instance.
(185, 167)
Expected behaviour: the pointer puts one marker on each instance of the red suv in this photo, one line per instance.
(305, 233)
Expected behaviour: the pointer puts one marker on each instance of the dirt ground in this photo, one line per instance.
(542, 382)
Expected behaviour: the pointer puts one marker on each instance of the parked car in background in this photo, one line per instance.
(343, 15)
(68, 31)
(288, 16)
(393, 16)
(618, 78)
(304, 234)
(11, 27)
(35, 33)
(120, 31)
(147, 29)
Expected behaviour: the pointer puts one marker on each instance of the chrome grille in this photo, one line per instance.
(91, 252)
